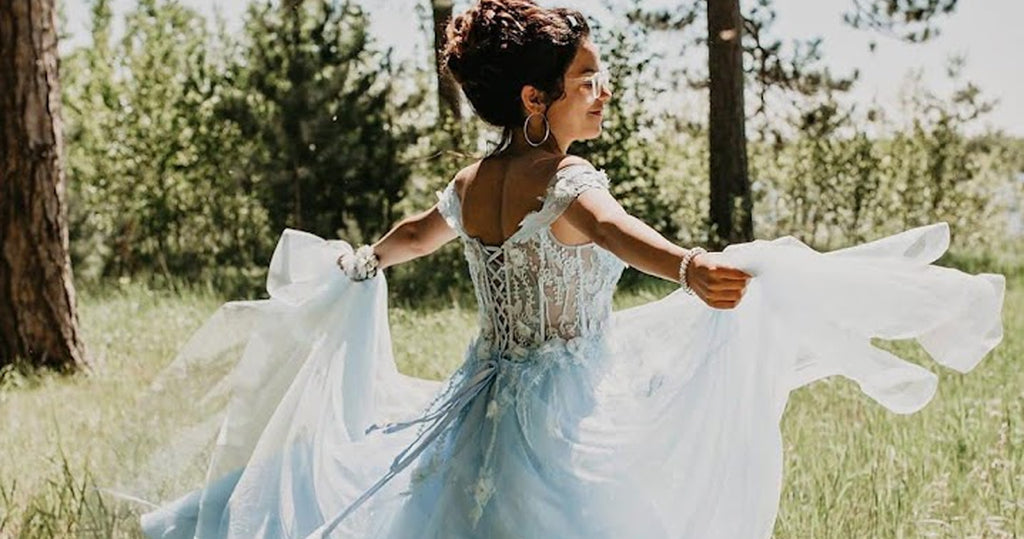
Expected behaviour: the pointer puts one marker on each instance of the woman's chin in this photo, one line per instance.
(592, 133)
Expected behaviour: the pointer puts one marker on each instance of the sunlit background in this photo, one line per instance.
(187, 151)
(986, 33)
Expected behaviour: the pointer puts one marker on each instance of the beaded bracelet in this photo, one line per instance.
(690, 255)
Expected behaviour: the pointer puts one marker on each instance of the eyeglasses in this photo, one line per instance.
(598, 82)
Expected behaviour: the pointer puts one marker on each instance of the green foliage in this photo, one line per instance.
(442, 150)
(187, 155)
(834, 184)
(317, 102)
(912, 20)
(853, 469)
(188, 150)
(646, 153)
(629, 150)
(153, 187)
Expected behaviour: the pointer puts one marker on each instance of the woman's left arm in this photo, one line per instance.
(415, 236)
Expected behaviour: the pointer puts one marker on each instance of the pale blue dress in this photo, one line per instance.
(566, 419)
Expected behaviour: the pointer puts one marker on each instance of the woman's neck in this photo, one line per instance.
(518, 145)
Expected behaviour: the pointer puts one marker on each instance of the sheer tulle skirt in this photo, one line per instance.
(664, 425)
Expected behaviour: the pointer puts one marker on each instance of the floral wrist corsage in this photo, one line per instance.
(360, 265)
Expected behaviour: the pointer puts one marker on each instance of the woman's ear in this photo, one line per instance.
(533, 100)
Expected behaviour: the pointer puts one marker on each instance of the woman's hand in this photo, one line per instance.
(360, 264)
(719, 286)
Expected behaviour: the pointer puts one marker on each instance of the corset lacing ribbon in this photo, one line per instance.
(438, 421)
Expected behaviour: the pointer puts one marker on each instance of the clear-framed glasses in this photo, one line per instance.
(598, 82)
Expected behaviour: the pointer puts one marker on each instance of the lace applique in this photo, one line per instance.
(448, 206)
(573, 181)
(568, 183)
(532, 288)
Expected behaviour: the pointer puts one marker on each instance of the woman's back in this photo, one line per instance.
(498, 192)
(531, 286)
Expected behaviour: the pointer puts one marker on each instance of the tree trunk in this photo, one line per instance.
(38, 322)
(731, 204)
(448, 101)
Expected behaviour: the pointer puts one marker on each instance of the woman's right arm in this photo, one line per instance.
(600, 217)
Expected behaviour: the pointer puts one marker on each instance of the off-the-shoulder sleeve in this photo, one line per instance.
(572, 181)
(450, 207)
(567, 184)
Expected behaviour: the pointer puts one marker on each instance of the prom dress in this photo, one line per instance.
(565, 419)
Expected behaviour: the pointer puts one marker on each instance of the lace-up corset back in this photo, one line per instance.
(532, 288)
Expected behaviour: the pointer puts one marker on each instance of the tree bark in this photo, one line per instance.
(38, 319)
(731, 203)
(448, 100)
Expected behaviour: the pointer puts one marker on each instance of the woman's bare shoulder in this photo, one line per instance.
(465, 176)
(573, 160)
(530, 166)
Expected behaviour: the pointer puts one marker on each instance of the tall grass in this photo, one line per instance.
(852, 469)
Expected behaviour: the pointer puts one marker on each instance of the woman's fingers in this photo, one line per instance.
(725, 298)
(710, 262)
(732, 274)
(739, 274)
(721, 290)
(723, 304)
(720, 287)
(717, 286)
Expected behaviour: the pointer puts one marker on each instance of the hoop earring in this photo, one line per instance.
(526, 130)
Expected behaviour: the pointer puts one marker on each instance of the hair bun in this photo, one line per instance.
(496, 47)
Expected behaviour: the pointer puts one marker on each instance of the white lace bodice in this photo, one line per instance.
(532, 288)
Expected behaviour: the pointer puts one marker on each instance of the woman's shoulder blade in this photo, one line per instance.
(465, 176)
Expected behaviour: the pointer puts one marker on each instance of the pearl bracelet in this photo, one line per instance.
(690, 255)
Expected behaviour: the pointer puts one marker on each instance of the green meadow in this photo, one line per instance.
(852, 469)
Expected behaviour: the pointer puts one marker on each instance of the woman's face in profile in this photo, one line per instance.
(578, 114)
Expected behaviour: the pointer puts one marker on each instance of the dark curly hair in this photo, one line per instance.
(496, 47)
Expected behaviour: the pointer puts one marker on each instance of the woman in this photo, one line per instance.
(565, 419)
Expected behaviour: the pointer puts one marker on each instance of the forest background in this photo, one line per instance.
(191, 142)
(190, 147)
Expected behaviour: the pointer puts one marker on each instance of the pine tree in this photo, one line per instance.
(38, 318)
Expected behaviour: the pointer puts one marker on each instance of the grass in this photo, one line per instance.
(852, 469)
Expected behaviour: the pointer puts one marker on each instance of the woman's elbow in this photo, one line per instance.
(605, 232)
(415, 240)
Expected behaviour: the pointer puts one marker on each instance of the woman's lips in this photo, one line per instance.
(596, 113)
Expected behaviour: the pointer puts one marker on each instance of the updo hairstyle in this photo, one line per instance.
(498, 46)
